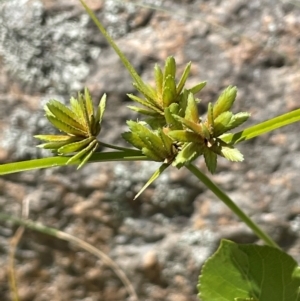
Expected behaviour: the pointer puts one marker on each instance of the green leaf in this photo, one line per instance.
(196, 127)
(143, 111)
(151, 154)
(156, 122)
(52, 145)
(88, 103)
(210, 160)
(63, 113)
(77, 110)
(55, 138)
(84, 153)
(167, 142)
(185, 136)
(183, 78)
(221, 123)
(101, 109)
(150, 139)
(232, 154)
(197, 88)
(205, 131)
(91, 149)
(237, 119)
(158, 79)
(75, 146)
(210, 115)
(145, 103)
(147, 91)
(174, 108)
(243, 271)
(189, 152)
(84, 109)
(169, 91)
(225, 101)
(65, 127)
(133, 139)
(172, 122)
(191, 112)
(156, 174)
(263, 127)
(170, 68)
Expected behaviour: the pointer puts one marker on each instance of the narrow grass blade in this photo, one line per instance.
(263, 127)
(156, 174)
(123, 58)
(129, 155)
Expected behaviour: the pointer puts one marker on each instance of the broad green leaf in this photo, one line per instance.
(156, 174)
(210, 160)
(221, 123)
(183, 78)
(197, 88)
(65, 127)
(185, 136)
(75, 146)
(191, 112)
(225, 101)
(242, 272)
(232, 154)
(158, 79)
(170, 68)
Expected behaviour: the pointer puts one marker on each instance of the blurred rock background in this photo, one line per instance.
(50, 49)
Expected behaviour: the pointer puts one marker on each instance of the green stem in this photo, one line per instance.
(120, 148)
(14, 167)
(226, 199)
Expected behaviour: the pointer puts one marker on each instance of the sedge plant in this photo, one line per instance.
(172, 132)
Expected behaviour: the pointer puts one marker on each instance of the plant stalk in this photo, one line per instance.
(233, 207)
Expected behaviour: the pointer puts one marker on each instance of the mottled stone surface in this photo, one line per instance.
(50, 49)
